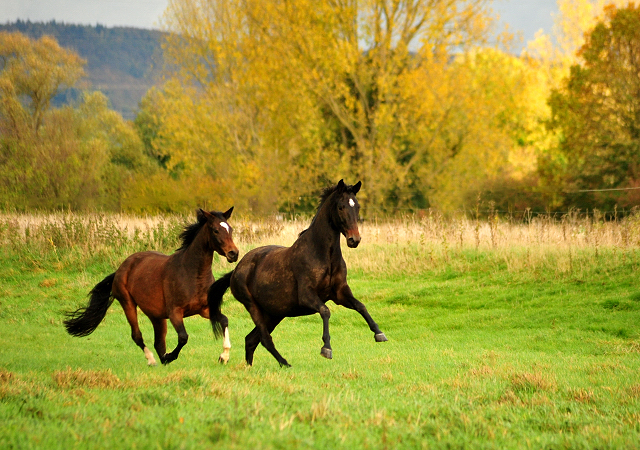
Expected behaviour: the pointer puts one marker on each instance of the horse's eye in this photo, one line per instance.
(215, 230)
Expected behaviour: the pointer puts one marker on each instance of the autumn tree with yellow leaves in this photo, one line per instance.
(266, 102)
(50, 157)
(287, 97)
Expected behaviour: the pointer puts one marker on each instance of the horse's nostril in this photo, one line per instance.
(232, 254)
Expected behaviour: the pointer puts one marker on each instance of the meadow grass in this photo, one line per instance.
(501, 335)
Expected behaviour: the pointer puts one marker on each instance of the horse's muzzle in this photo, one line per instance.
(353, 241)
(232, 256)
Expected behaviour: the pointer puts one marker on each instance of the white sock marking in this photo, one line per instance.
(227, 341)
(150, 359)
(226, 346)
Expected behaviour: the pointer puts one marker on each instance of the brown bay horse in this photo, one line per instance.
(165, 287)
(275, 282)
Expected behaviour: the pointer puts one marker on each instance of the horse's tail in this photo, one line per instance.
(83, 321)
(216, 292)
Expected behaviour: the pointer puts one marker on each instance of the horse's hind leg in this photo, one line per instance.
(250, 344)
(265, 326)
(261, 332)
(253, 339)
(132, 317)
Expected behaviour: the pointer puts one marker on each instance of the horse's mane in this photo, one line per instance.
(190, 232)
(326, 193)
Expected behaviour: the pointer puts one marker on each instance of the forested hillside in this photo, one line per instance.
(123, 63)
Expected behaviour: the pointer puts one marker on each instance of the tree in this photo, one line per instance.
(552, 57)
(181, 133)
(79, 157)
(490, 130)
(306, 92)
(32, 73)
(597, 112)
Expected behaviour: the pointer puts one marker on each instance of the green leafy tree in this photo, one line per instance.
(597, 113)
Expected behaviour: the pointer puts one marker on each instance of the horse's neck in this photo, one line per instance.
(199, 254)
(322, 235)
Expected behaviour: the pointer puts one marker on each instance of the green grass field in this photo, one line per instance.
(493, 346)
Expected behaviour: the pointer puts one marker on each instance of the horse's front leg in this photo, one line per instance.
(160, 334)
(345, 298)
(183, 337)
(310, 299)
(226, 343)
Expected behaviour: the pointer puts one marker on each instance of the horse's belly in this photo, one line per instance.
(277, 297)
(200, 308)
(301, 311)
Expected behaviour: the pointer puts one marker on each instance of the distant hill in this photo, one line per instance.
(122, 62)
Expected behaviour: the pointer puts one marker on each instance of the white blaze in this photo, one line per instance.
(352, 203)
(225, 226)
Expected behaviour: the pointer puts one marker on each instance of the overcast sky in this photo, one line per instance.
(134, 13)
(527, 16)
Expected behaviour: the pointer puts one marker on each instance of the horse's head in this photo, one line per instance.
(346, 212)
(220, 233)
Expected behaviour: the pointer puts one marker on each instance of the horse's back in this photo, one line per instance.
(262, 262)
(142, 262)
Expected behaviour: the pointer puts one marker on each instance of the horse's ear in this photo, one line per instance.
(341, 184)
(228, 213)
(356, 187)
(203, 215)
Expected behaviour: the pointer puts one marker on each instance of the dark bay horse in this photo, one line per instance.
(275, 282)
(165, 287)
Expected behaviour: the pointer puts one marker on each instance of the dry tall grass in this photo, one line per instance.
(407, 244)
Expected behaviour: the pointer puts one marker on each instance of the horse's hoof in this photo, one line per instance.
(380, 337)
(326, 352)
(285, 364)
(152, 364)
(221, 360)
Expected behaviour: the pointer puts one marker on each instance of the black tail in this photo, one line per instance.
(83, 321)
(216, 291)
